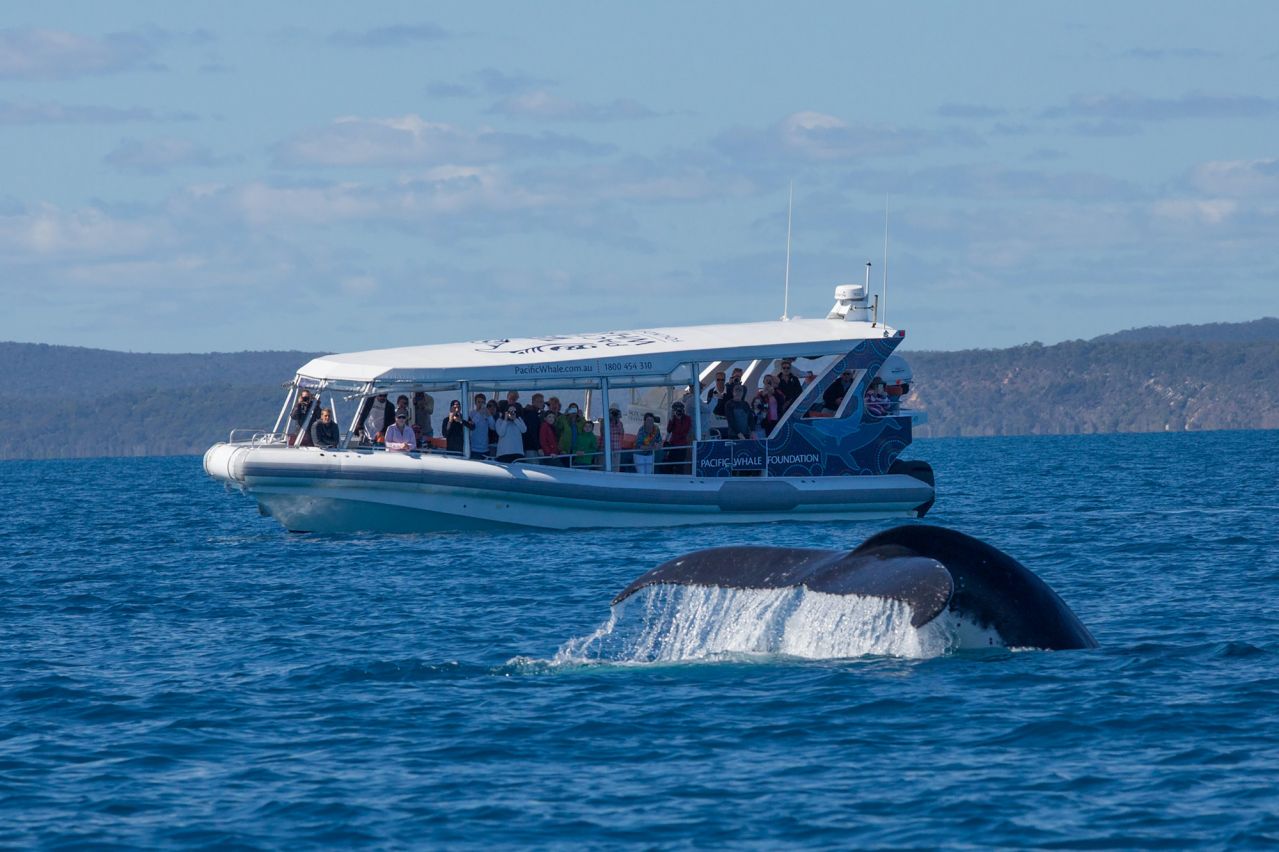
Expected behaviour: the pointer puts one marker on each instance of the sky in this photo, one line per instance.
(338, 177)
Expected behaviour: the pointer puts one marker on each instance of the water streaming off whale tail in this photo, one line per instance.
(673, 623)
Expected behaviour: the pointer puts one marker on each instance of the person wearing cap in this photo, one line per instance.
(678, 428)
(400, 437)
(454, 428)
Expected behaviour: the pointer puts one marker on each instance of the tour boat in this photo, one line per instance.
(818, 463)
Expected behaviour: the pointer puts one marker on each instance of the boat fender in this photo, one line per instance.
(757, 495)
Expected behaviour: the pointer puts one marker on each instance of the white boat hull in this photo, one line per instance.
(312, 490)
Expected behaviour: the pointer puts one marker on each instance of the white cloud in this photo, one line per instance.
(49, 231)
(411, 140)
(1237, 178)
(1196, 211)
(542, 105)
(43, 54)
(818, 137)
(51, 113)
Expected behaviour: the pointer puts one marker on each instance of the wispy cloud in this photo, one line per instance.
(957, 110)
(542, 105)
(411, 140)
(400, 35)
(489, 82)
(45, 54)
(161, 156)
(1170, 53)
(12, 114)
(1237, 178)
(818, 137)
(1133, 107)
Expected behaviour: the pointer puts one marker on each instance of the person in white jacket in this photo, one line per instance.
(510, 435)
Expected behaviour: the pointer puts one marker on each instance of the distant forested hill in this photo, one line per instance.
(62, 402)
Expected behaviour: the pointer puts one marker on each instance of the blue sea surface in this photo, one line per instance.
(176, 670)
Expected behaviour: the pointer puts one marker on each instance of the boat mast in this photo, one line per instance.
(790, 206)
(883, 314)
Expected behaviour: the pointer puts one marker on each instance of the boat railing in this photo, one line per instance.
(257, 436)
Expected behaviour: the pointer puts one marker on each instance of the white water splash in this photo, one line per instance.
(670, 623)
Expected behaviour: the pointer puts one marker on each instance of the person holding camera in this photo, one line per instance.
(454, 428)
(510, 435)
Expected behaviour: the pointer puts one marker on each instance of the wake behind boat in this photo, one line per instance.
(819, 440)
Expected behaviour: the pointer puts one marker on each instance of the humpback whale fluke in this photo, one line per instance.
(930, 569)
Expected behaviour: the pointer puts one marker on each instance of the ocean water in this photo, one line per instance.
(177, 671)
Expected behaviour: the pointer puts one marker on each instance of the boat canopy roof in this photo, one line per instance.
(627, 358)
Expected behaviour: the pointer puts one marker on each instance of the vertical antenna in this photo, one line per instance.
(790, 206)
(884, 308)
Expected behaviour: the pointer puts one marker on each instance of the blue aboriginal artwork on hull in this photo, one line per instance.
(853, 444)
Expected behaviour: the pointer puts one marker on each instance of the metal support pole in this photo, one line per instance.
(466, 433)
(607, 431)
(288, 399)
(697, 413)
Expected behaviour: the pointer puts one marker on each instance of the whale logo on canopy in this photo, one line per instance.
(931, 569)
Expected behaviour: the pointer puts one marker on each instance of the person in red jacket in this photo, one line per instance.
(678, 428)
(549, 440)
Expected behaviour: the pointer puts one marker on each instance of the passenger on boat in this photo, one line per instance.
(423, 411)
(586, 447)
(301, 411)
(774, 404)
(759, 411)
(400, 437)
(402, 407)
(788, 384)
(454, 427)
(678, 429)
(512, 398)
(570, 429)
(648, 440)
(510, 435)
(734, 380)
(531, 414)
(380, 415)
(324, 432)
(616, 432)
(737, 412)
(718, 390)
(554, 405)
(876, 399)
(481, 423)
(549, 440)
(493, 415)
(834, 396)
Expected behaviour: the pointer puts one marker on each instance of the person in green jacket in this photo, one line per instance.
(586, 450)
